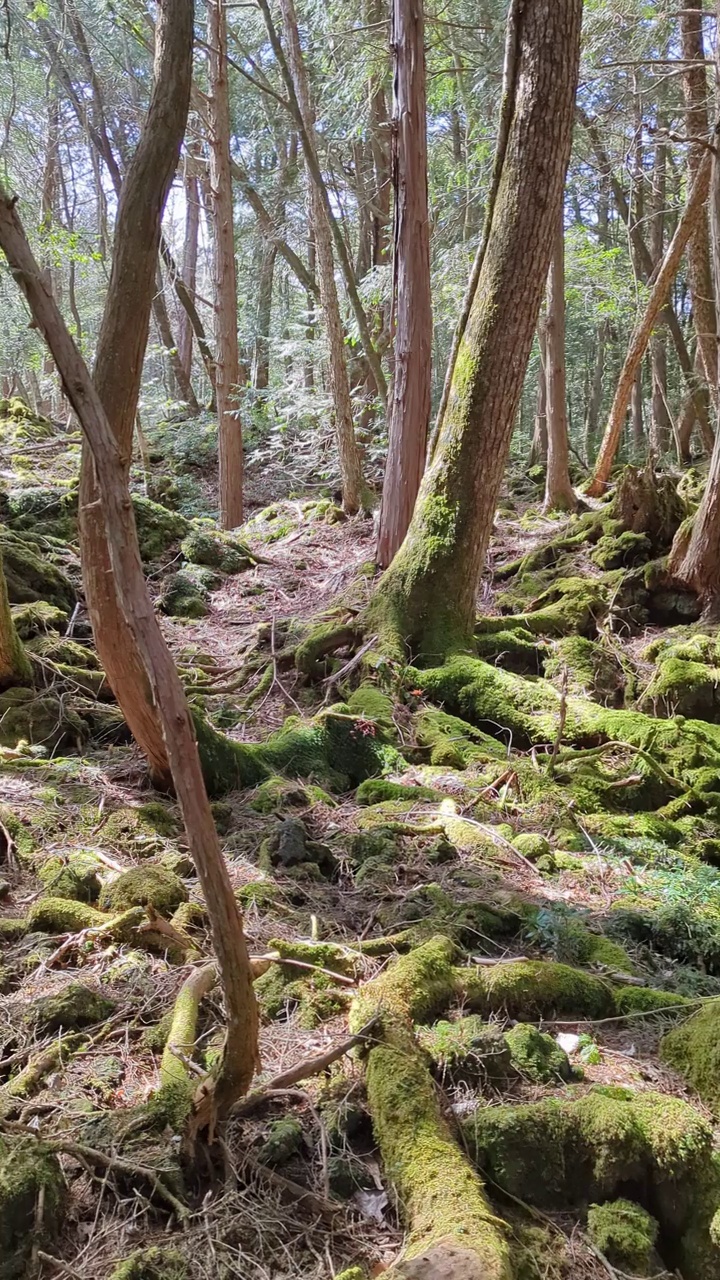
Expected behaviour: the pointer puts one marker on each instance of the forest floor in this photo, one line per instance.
(470, 833)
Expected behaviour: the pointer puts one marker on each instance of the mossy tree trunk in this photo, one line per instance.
(559, 494)
(14, 664)
(426, 599)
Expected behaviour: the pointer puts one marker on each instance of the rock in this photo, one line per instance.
(536, 1055)
(183, 597)
(27, 1168)
(216, 550)
(625, 1233)
(443, 1261)
(158, 528)
(532, 846)
(76, 1005)
(289, 847)
(38, 618)
(149, 885)
(74, 876)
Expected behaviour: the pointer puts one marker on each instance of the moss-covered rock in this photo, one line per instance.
(453, 743)
(279, 793)
(159, 1262)
(621, 550)
(73, 876)
(288, 846)
(625, 1234)
(377, 790)
(536, 1055)
(283, 1141)
(693, 1049)
(149, 885)
(38, 618)
(468, 1050)
(31, 576)
(68, 653)
(141, 831)
(27, 1170)
(216, 550)
(158, 528)
(532, 846)
(42, 719)
(183, 596)
(683, 687)
(74, 1006)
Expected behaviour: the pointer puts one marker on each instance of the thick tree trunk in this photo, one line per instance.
(410, 398)
(189, 264)
(119, 359)
(559, 494)
(14, 664)
(695, 87)
(240, 1058)
(638, 343)
(227, 357)
(539, 445)
(180, 377)
(426, 599)
(351, 478)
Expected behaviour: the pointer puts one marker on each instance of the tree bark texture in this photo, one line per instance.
(638, 343)
(351, 478)
(660, 422)
(695, 88)
(240, 1058)
(411, 387)
(559, 494)
(426, 599)
(119, 359)
(539, 445)
(189, 264)
(227, 358)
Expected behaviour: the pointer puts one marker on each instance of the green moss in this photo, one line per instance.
(74, 1006)
(158, 528)
(622, 550)
(536, 1055)
(377, 790)
(148, 885)
(683, 687)
(693, 1049)
(11, 929)
(75, 876)
(38, 619)
(41, 719)
(216, 550)
(283, 1141)
(630, 1000)
(183, 597)
(27, 1169)
(536, 988)
(625, 1233)
(140, 831)
(468, 1049)
(452, 742)
(31, 576)
(61, 915)
(277, 794)
(159, 1262)
(531, 846)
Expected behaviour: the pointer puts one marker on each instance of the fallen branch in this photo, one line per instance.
(92, 1156)
(303, 1070)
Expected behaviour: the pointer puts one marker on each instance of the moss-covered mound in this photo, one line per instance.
(149, 885)
(28, 1170)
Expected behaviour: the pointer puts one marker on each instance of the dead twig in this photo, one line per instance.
(302, 1071)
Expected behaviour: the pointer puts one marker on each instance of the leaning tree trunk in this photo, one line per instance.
(119, 360)
(427, 596)
(227, 358)
(353, 488)
(179, 375)
(695, 87)
(559, 494)
(14, 663)
(241, 1055)
(410, 400)
(638, 343)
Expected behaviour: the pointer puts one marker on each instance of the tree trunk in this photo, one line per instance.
(14, 663)
(227, 357)
(592, 417)
(640, 338)
(426, 599)
(241, 1056)
(410, 399)
(172, 354)
(189, 264)
(636, 414)
(119, 359)
(559, 494)
(698, 564)
(261, 355)
(695, 87)
(353, 488)
(539, 446)
(660, 424)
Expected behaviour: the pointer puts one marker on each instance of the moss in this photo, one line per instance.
(75, 876)
(283, 1141)
(370, 703)
(325, 955)
(468, 1050)
(158, 528)
(183, 597)
(159, 1262)
(278, 793)
(140, 831)
(289, 848)
(532, 847)
(515, 649)
(377, 790)
(625, 1233)
(452, 742)
(539, 988)
(536, 1055)
(74, 1006)
(27, 1169)
(693, 1049)
(31, 576)
(41, 719)
(61, 915)
(38, 619)
(442, 1200)
(11, 929)
(622, 550)
(682, 687)
(592, 668)
(216, 550)
(630, 1000)
(148, 885)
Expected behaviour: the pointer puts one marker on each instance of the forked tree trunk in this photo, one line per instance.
(426, 599)
(410, 398)
(240, 1058)
(351, 478)
(695, 87)
(559, 494)
(119, 360)
(227, 359)
(539, 445)
(638, 343)
(14, 663)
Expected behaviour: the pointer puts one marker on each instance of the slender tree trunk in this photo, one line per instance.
(119, 359)
(14, 663)
(427, 598)
(189, 265)
(261, 355)
(178, 372)
(559, 494)
(353, 488)
(636, 414)
(594, 405)
(410, 398)
(640, 338)
(539, 444)
(695, 87)
(241, 1056)
(227, 358)
(660, 424)
(186, 302)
